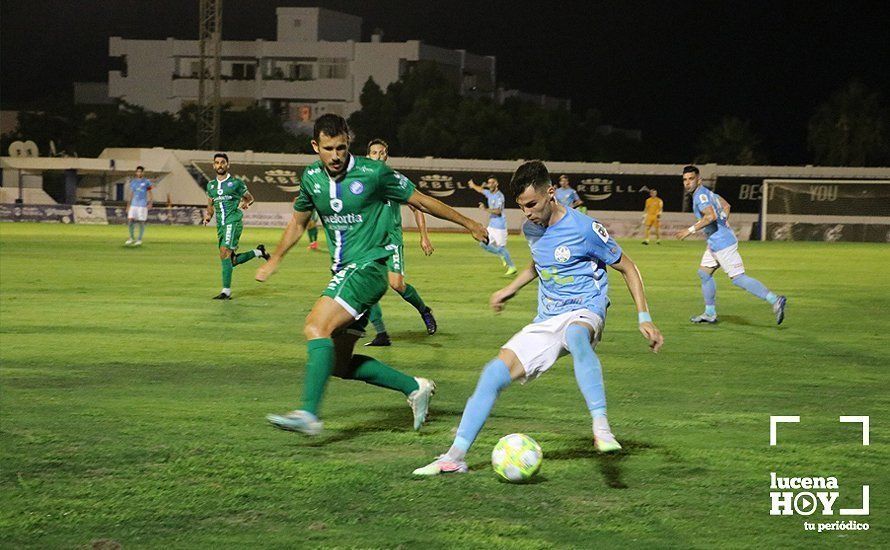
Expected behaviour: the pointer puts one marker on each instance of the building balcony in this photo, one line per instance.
(340, 89)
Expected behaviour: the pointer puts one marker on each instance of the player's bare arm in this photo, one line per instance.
(499, 298)
(150, 198)
(439, 209)
(708, 217)
(476, 187)
(634, 282)
(208, 212)
(420, 220)
(292, 233)
(246, 201)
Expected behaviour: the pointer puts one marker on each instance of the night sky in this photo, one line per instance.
(668, 68)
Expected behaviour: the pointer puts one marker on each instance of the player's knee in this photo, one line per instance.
(398, 286)
(704, 275)
(314, 329)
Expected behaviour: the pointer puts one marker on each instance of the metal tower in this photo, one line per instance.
(209, 44)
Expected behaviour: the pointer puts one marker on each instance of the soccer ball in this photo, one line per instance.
(516, 457)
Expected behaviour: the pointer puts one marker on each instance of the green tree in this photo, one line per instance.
(376, 118)
(730, 141)
(850, 129)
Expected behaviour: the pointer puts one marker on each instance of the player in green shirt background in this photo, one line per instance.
(350, 194)
(227, 196)
(379, 150)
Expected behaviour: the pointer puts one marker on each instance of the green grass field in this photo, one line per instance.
(132, 405)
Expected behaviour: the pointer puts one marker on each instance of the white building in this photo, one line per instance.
(317, 65)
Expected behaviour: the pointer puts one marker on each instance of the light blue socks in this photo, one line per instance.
(495, 377)
(755, 287)
(709, 291)
(588, 371)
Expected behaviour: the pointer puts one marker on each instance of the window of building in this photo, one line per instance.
(332, 68)
(243, 71)
(301, 71)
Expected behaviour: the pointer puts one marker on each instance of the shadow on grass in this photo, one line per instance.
(392, 418)
(416, 338)
(609, 463)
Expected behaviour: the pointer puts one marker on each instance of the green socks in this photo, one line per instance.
(375, 315)
(313, 234)
(244, 257)
(319, 366)
(227, 273)
(371, 371)
(412, 297)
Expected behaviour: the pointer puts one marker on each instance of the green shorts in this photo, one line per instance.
(396, 262)
(229, 234)
(357, 287)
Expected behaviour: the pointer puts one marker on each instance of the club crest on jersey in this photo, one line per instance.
(229, 184)
(601, 231)
(702, 198)
(336, 205)
(356, 187)
(562, 254)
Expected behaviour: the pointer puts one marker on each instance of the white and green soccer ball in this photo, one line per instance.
(517, 457)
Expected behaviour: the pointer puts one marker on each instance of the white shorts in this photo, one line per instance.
(497, 237)
(728, 259)
(539, 345)
(138, 213)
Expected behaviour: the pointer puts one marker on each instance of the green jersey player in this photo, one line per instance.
(379, 150)
(227, 196)
(350, 194)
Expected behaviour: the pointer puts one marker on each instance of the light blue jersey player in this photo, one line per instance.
(570, 253)
(712, 215)
(137, 210)
(497, 222)
(567, 196)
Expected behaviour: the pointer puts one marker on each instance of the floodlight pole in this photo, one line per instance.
(209, 46)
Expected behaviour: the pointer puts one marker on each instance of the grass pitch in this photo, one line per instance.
(132, 406)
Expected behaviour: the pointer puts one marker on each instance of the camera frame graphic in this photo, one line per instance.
(774, 421)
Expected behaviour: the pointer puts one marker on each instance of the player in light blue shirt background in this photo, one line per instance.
(712, 215)
(497, 222)
(570, 253)
(137, 209)
(567, 196)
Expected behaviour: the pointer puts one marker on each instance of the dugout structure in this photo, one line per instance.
(825, 210)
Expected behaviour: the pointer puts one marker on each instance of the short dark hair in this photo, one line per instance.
(531, 174)
(376, 141)
(140, 167)
(221, 156)
(332, 125)
(691, 168)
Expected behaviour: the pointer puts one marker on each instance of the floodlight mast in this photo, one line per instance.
(209, 46)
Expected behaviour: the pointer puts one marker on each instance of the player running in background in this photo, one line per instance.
(227, 196)
(497, 222)
(712, 213)
(312, 231)
(652, 216)
(137, 209)
(570, 253)
(567, 196)
(350, 194)
(379, 150)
